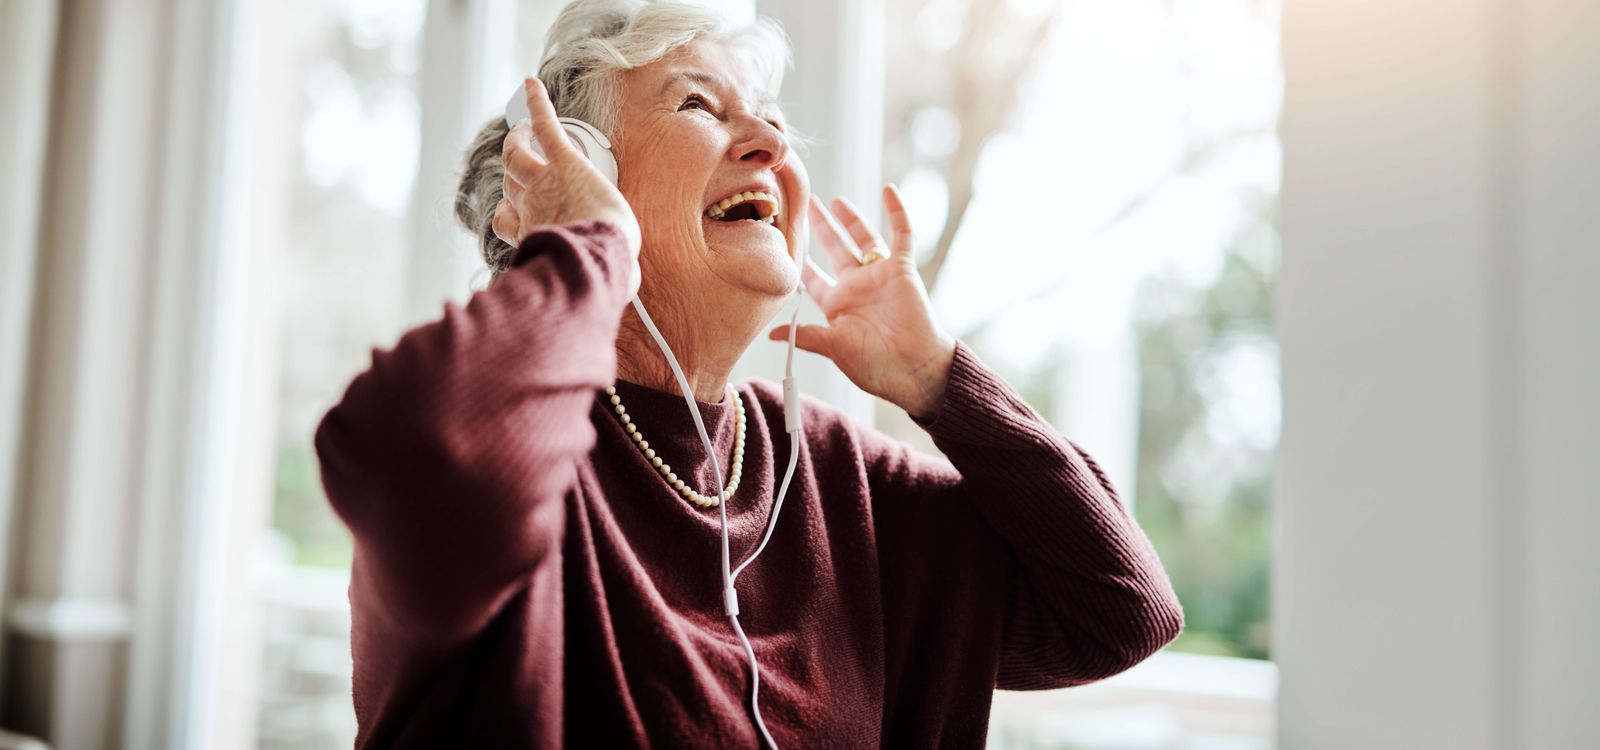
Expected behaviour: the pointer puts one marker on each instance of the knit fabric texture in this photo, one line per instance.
(524, 577)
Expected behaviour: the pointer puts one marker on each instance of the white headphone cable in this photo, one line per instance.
(605, 161)
(792, 425)
(791, 419)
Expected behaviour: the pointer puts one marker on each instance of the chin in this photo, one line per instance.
(753, 257)
(778, 278)
(767, 274)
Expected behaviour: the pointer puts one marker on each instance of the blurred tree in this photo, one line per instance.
(955, 69)
(960, 61)
(1204, 490)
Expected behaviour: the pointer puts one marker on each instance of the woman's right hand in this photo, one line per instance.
(562, 188)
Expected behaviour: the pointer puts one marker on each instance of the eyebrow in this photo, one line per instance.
(714, 81)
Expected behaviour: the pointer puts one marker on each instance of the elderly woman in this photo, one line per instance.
(536, 520)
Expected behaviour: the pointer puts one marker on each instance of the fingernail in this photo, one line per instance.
(528, 121)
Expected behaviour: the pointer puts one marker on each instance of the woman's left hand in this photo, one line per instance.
(880, 331)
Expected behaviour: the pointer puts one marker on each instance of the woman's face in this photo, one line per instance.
(695, 136)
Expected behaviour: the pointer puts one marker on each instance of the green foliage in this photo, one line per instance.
(301, 511)
(1205, 501)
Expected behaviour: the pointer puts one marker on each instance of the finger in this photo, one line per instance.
(859, 231)
(818, 285)
(520, 138)
(545, 128)
(510, 186)
(841, 253)
(510, 189)
(510, 181)
(808, 337)
(520, 160)
(506, 223)
(899, 221)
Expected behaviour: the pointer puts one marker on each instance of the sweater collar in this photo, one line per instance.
(665, 421)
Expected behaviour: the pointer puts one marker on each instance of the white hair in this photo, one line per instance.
(590, 43)
(593, 40)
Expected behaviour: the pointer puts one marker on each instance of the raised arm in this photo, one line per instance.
(1019, 526)
(448, 456)
(1085, 595)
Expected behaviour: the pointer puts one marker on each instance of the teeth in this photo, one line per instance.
(721, 207)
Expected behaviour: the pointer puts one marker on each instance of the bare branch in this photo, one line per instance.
(985, 97)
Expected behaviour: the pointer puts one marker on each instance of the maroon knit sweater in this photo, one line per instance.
(524, 577)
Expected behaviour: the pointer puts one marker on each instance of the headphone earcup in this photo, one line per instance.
(592, 144)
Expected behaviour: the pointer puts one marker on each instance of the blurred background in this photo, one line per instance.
(1309, 277)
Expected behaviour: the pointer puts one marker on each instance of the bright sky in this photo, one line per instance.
(1112, 109)
(1127, 88)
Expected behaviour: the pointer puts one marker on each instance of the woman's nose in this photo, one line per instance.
(761, 145)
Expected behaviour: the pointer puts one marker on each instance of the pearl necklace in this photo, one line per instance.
(677, 483)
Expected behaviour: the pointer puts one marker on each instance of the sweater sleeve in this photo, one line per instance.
(447, 458)
(1085, 596)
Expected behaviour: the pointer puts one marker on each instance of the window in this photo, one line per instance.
(1111, 166)
(346, 146)
(1093, 186)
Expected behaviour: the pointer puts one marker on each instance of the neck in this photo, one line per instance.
(707, 343)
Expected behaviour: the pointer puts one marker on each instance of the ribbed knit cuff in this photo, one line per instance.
(603, 239)
(978, 405)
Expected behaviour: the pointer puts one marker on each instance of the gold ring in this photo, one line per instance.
(872, 255)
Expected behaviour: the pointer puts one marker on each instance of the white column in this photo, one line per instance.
(195, 439)
(27, 48)
(468, 70)
(1435, 581)
(78, 480)
(1097, 401)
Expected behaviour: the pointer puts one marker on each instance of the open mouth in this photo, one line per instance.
(747, 206)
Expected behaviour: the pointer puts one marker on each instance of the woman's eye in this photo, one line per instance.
(693, 101)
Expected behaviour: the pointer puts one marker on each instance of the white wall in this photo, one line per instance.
(1434, 583)
(1557, 236)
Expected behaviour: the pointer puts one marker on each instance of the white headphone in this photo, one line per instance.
(594, 145)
